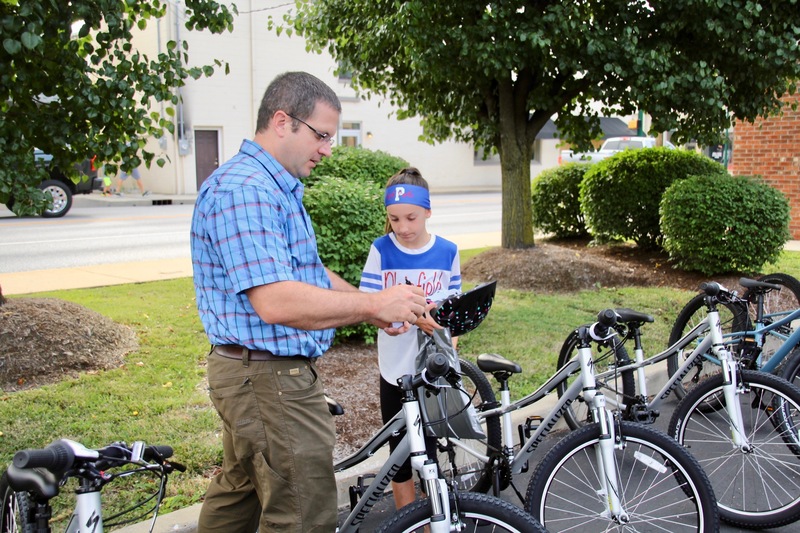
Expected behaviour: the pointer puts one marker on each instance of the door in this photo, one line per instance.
(206, 153)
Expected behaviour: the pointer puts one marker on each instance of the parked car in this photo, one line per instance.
(611, 146)
(61, 188)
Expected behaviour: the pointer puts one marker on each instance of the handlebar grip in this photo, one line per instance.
(607, 317)
(437, 366)
(56, 457)
(711, 288)
(157, 452)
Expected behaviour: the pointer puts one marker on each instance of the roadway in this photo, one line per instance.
(111, 240)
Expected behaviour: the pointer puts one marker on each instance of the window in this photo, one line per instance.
(344, 72)
(350, 134)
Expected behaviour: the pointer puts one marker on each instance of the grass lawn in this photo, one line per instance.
(159, 395)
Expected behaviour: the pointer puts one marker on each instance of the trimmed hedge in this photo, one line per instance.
(555, 197)
(356, 163)
(719, 223)
(620, 196)
(347, 216)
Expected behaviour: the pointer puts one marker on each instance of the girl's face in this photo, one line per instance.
(408, 224)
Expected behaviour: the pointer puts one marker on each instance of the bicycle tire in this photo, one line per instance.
(15, 510)
(663, 486)
(478, 511)
(755, 488)
(579, 413)
(468, 472)
(733, 318)
(791, 367)
(783, 301)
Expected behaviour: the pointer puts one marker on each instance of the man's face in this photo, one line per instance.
(304, 148)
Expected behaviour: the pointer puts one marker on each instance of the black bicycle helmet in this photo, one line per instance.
(463, 312)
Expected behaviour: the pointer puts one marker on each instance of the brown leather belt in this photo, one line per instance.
(234, 351)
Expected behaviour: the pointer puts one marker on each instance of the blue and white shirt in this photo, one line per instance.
(435, 267)
(250, 228)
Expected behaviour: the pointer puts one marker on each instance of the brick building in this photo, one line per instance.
(771, 148)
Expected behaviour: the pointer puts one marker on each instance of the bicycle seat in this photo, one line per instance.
(334, 407)
(461, 313)
(492, 362)
(629, 315)
(758, 286)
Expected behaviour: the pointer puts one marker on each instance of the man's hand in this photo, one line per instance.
(401, 303)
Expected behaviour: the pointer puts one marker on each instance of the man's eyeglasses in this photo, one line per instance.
(323, 137)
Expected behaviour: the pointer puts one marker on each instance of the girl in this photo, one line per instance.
(407, 254)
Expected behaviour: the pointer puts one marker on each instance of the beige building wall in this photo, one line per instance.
(228, 104)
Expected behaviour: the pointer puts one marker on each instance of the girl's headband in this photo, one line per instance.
(403, 193)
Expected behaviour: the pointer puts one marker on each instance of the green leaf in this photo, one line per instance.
(11, 46)
(30, 40)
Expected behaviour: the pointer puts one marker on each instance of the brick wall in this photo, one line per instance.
(771, 148)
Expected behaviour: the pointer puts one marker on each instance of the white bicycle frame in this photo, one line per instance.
(587, 386)
(87, 517)
(409, 418)
(713, 341)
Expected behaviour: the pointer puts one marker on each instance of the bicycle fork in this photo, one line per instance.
(435, 487)
(730, 390)
(730, 385)
(609, 489)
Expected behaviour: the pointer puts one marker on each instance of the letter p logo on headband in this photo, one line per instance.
(407, 194)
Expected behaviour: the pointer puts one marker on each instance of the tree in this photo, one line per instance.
(493, 73)
(73, 85)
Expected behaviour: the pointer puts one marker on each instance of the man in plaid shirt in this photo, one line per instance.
(269, 307)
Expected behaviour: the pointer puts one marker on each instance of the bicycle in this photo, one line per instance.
(446, 508)
(751, 325)
(36, 476)
(762, 345)
(740, 424)
(602, 477)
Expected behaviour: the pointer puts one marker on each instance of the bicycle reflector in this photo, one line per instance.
(461, 313)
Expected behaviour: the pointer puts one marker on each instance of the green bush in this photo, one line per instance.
(720, 223)
(620, 196)
(347, 216)
(352, 163)
(555, 195)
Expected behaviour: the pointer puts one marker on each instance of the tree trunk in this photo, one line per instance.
(2, 298)
(517, 218)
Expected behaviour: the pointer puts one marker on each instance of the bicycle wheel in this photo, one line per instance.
(467, 471)
(776, 305)
(621, 384)
(758, 487)
(15, 510)
(662, 486)
(733, 318)
(791, 367)
(476, 512)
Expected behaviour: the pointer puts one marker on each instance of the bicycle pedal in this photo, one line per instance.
(642, 415)
(357, 490)
(531, 424)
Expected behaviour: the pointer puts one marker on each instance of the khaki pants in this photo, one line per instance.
(278, 438)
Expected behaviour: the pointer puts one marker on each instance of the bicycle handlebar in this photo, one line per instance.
(63, 454)
(435, 367)
(712, 288)
(606, 319)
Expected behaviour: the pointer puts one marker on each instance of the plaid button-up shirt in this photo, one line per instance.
(250, 228)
